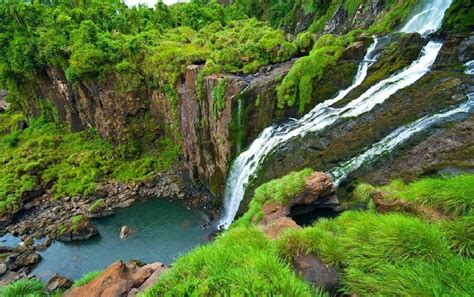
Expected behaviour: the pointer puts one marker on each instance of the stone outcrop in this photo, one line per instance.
(319, 192)
(58, 282)
(120, 279)
(316, 272)
(74, 230)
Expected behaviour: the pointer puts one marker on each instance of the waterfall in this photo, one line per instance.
(469, 67)
(247, 163)
(397, 137)
(429, 19)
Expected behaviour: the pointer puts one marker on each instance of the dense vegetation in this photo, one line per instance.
(46, 156)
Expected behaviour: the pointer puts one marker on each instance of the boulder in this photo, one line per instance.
(58, 282)
(3, 268)
(319, 192)
(17, 261)
(125, 232)
(81, 228)
(315, 271)
(119, 279)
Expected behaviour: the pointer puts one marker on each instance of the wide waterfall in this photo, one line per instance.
(247, 163)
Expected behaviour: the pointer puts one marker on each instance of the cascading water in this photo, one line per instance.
(429, 18)
(397, 137)
(323, 115)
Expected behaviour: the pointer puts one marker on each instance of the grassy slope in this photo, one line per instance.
(394, 254)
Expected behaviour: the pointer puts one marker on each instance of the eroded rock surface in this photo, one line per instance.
(120, 279)
(318, 193)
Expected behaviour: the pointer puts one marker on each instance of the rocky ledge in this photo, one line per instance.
(121, 279)
(44, 216)
(319, 193)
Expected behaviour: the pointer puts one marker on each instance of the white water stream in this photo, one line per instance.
(398, 137)
(247, 163)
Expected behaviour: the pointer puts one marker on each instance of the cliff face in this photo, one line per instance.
(216, 116)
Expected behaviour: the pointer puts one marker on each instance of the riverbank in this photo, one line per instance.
(45, 220)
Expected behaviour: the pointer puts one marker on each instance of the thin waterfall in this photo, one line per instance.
(247, 163)
(397, 137)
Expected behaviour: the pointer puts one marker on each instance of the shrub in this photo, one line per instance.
(387, 255)
(24, 287)
(239, 262)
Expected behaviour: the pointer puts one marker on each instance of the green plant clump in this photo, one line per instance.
(86, 279)
(386, 255)
(47, 156)
(241, 262)
(279, 191)
(297, 86)
(24, 287)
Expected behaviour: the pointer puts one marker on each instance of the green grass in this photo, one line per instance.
(297, 86)
(385, 255)
(241, 262)
(24, 288)
(280, 191)
(86, 279)
(70, 163)
(98, 204)
(454, 195)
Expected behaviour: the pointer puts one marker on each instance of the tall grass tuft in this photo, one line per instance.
(241, 262)
(24, 288)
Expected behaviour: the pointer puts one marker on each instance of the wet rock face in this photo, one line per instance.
(206, 121)
(367, 13)
(120, 279)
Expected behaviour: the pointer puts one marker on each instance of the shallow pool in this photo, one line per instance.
(162, 230)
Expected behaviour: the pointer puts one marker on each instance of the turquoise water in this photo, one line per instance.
(162, 230)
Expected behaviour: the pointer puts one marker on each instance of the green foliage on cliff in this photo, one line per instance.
(459, 17)
(91, 42)
(297, 86)
(241, 262)
(279, 191)
(45, 156)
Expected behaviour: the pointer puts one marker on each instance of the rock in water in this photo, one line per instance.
(125, 232)
(79, 228)
(58, 282)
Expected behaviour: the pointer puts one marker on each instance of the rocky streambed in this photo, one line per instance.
(164, 217)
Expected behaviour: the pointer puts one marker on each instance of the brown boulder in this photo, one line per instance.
(274, 229)
(79, 228)
(316, 272)
(318, 193)
(119, 279)
(58, 282)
